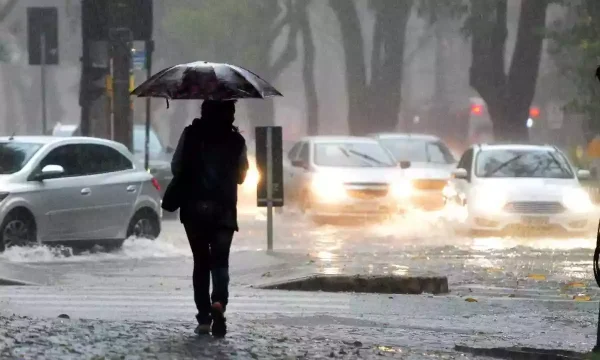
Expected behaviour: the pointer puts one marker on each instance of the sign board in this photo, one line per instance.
(42, 34)
(139, 60)
(276, 171)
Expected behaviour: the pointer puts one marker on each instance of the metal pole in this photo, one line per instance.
(269, 189)
(43, 81)
(149, 48)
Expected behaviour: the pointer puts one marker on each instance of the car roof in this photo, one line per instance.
(425, 137)
(338, 139)
(516, 147)
(45, 140)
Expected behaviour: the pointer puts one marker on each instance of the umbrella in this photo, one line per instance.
(205, 81)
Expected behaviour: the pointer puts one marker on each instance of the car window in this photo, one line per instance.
(522, 164)
(293, 153)
(356, 154)
(67, 156)
(139, 140)
(304, 155)
(101, 159)
(14, 156)
(438, 153)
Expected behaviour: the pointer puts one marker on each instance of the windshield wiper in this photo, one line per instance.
(503, 165)
(366, 157)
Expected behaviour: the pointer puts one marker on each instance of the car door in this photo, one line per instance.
(65, 201)
(115, 187)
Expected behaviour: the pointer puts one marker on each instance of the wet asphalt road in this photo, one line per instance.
(542, 283)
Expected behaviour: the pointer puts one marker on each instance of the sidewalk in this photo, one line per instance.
(25, 338)
(282, 323)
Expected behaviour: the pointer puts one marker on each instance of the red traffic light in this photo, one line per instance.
(476, 109)
(534, 112)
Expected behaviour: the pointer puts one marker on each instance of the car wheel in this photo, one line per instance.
(144, 224)
(18, 229)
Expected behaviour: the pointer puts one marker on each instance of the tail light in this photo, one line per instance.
(156, 184)
(476, 109)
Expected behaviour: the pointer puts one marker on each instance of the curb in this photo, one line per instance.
(365, 284)
(523, 353)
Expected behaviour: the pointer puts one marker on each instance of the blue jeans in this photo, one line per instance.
(210, 248)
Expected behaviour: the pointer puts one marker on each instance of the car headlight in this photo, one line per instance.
(327, 188)
(252, 179)
(489, 200)
(577, 200)
(402, 189)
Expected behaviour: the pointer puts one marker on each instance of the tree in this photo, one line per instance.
(237, 31)
(308, 70)
(575, 48)
(508, 95)
(374, 105)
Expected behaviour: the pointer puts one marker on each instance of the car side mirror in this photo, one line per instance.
(460, 174)
(584, 175)
(300, 164)
(49, 172)
(404, 164)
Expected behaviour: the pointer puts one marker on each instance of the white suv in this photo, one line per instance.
(518, 187)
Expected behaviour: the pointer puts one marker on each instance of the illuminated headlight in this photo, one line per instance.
(402, 189)
(252, 179)
(577, 200)
(327, 188)
(489, 200)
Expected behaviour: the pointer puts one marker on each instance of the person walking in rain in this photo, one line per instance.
(210, 162)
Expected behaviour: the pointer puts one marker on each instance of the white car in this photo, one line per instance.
(431, 165)
(329, 176)
(518, 187)
(56, 189)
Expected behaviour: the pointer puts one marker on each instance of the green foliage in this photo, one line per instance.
(220, 30)
(576, 49)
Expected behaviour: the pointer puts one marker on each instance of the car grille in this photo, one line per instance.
(534, 207)
(367, 190)
(427, 184)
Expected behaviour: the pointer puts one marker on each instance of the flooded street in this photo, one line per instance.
(414, 244)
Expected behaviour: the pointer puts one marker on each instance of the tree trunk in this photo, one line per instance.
(508, 96)
(374, 106)
(356, 75)
(308, 71)
(387, 64)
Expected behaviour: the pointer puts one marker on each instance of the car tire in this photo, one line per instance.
(144, 224)
(21, 224)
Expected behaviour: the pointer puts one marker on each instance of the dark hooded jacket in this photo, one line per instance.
(210, 161)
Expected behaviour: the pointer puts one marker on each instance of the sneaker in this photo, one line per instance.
(219, 329)
(202, 329)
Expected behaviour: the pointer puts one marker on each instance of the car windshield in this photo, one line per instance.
(139, 139)
(522, 164)
(14, 156)
(357, 154)
(418, 150)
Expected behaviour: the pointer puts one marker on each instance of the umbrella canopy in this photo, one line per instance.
(206, 81)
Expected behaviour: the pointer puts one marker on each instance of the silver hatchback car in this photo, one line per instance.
(55, 189)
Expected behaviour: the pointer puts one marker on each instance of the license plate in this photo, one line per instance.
(535, 220)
